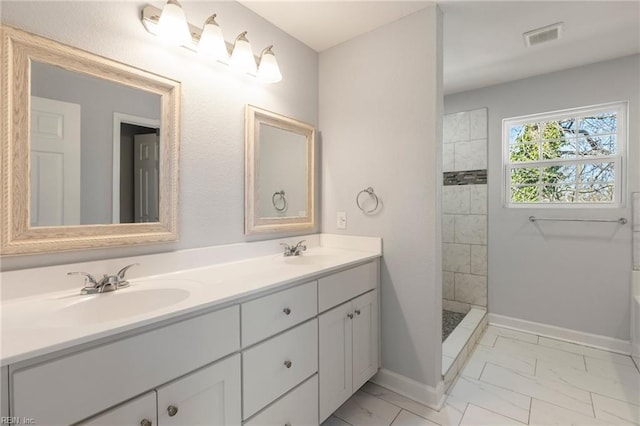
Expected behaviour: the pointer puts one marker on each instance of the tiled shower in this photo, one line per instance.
(464, 237)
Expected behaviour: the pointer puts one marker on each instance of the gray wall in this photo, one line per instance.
(98, 100)
(380, 115)
(570, 275)
(213, 102)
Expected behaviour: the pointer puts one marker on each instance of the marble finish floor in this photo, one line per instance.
(450, 321)
(515, 378)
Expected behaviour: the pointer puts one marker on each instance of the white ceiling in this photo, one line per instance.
(483, 42)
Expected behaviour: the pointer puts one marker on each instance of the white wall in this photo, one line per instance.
(213, 101)
(570, 275)
(380, 116)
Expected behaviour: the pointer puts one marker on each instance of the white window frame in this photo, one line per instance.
(619, 159)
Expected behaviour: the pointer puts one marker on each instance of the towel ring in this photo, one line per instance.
(373, 195)
(278, 197)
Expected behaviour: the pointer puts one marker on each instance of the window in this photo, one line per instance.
(565, 158)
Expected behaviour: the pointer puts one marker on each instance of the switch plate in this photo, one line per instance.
(341, 220)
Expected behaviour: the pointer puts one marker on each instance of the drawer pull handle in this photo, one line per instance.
(146, 422)
(172, 410)
(287, 424)
(350, 316)
(357, 311)
(287, 364)
(286, 311)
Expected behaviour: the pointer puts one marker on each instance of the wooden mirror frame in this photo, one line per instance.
(19, 48)
(253, 223)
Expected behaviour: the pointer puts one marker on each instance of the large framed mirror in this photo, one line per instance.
(89, 149)
(279, 172)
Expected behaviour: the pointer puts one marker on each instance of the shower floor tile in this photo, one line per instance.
(450, 321)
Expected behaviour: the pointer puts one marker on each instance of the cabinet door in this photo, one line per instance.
(140, 411)
(210, 396)
(365, 338)
(335, 356)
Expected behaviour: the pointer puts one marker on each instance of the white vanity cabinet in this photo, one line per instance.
(141, 411)
(348, 337)
(73, 387)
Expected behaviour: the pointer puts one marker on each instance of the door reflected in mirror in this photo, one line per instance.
(94, 150)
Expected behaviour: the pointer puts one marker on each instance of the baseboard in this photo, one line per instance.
(432, 397)
(566, 334)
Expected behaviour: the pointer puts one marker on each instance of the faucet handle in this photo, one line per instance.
(124, 270)
(286, 246)
(88, 278)
(301, 246)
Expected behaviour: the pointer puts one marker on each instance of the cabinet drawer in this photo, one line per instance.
(132, 413)
(273, 367)
(107, 375)
(297, 408)
(345, 285)
(271, 314)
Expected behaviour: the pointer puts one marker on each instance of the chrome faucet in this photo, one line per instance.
(294, 250)
(106, 283)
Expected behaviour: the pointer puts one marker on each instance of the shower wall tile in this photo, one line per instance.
(456, 127)
(471, 155)
(478, 199)
(470, 289)
(456, 199)
(470, 229)
(447, 285)
(478, 124)
(447, 157)
(447, 228)
(453, 306)
(479, 260)
(456, 257)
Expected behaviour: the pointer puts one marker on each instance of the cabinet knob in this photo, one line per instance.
(350, 316)
(357, 311)
(146, 422)
(287, 424)
(172, 410)
(287, 364)
(286, 311)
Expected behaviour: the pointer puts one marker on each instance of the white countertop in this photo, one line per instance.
(44, 323)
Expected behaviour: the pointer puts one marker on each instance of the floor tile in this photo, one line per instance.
(492, 333)
(585, 350)
(479, 416)
(490, 397)
(365, 409)
(536, 387)
(334, 421)
(607, 367)
(526, 351)
(405, 418)
(483, 354)
(625, 385)
(447, 415)
(545, 414)
(615, 411)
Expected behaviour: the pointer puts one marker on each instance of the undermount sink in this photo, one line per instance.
(111, 306)
(306, 259)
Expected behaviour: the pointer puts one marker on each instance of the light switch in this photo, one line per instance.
(341, 220)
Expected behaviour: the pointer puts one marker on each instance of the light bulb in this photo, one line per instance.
(172, 26)
(212, 44)
(242, 56)
(268, 71)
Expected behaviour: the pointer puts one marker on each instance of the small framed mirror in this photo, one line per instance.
(279, 172)
(89, 149)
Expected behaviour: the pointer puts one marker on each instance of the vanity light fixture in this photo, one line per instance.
(242, 59)
(210, 43)
(172, 24)
(268, 70)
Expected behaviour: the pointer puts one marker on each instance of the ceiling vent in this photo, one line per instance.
(543, 35)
